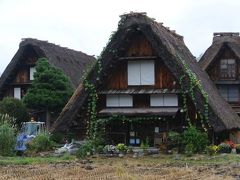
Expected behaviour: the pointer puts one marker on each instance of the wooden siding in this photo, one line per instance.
(22, 76)
(140, 46)
(214, 69)
(117, 78)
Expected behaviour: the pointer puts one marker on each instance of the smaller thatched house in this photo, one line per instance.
(19, 71)
(222, 63)
(145, 84)
(18, 75)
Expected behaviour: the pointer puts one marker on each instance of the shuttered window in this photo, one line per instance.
(141, 73)
(163, 100)
(119, 101)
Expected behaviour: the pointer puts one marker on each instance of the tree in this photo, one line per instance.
(16, 109)
(50, 89)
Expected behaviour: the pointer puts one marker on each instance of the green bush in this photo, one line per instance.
(173, 140)
(7, 140)
(85, 150)
(57, 138)
(145, 144)
(212, 150)
(40, 143)
(189, 149)
(122, 147)
(14, 108)
(198, 139)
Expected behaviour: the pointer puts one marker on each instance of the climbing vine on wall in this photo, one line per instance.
(194, 85)
(92, 99)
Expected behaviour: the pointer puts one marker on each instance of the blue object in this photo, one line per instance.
(21, 142)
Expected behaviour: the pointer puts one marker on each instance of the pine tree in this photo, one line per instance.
(50, 89)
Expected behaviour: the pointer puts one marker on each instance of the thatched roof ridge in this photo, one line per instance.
(171, 49)
(220, 40)
(70, 61)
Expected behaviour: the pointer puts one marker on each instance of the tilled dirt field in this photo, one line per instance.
(111, 170)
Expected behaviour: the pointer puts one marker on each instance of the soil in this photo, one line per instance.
(108, 169)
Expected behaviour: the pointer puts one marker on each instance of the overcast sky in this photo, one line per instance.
(86, 25)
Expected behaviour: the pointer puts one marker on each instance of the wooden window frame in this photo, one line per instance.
(230, 70)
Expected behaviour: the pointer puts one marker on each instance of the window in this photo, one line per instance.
(119, 101)
(17, 93)
(32, 71)
(228, 68)
(141, 73)
(163, 100)
(229, 93)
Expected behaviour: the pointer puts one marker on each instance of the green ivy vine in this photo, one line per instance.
(92, 100)
(194, 84)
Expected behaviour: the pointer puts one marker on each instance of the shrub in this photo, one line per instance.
(41, 143)
(145, 144)
(57, 138)
(5, 118)
(85, 150)
(189, 149)
(122, 147)
(212, 150)
(7, 140)
(173, 140)
(198, 139)
(14, 108)
(224, 148)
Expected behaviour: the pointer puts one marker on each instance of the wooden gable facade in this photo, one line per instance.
(18, 75)
(151, 94)
(223, 66)
(21, 77)
(140, 88)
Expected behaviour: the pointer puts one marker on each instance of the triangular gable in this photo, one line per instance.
(71, 62)
(171, 49)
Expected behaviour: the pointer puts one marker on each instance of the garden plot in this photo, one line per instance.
(127, 168)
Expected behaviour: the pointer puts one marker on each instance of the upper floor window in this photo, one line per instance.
(117, 100)
(32, 71)
(163, 100)
(141, 72)
(229, 93)
(228, 68)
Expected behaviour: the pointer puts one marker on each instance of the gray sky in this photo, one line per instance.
(86, 25)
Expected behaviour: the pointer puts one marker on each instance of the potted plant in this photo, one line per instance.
(121, 148)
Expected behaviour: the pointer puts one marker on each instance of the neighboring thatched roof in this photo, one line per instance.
(220, 40)
(170, 48)
(70, 61)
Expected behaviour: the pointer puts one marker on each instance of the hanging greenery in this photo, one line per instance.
(92, 100)
(194, 85)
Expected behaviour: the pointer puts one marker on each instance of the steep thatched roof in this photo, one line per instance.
(70, 61)
(170, 48)
(220, 40)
